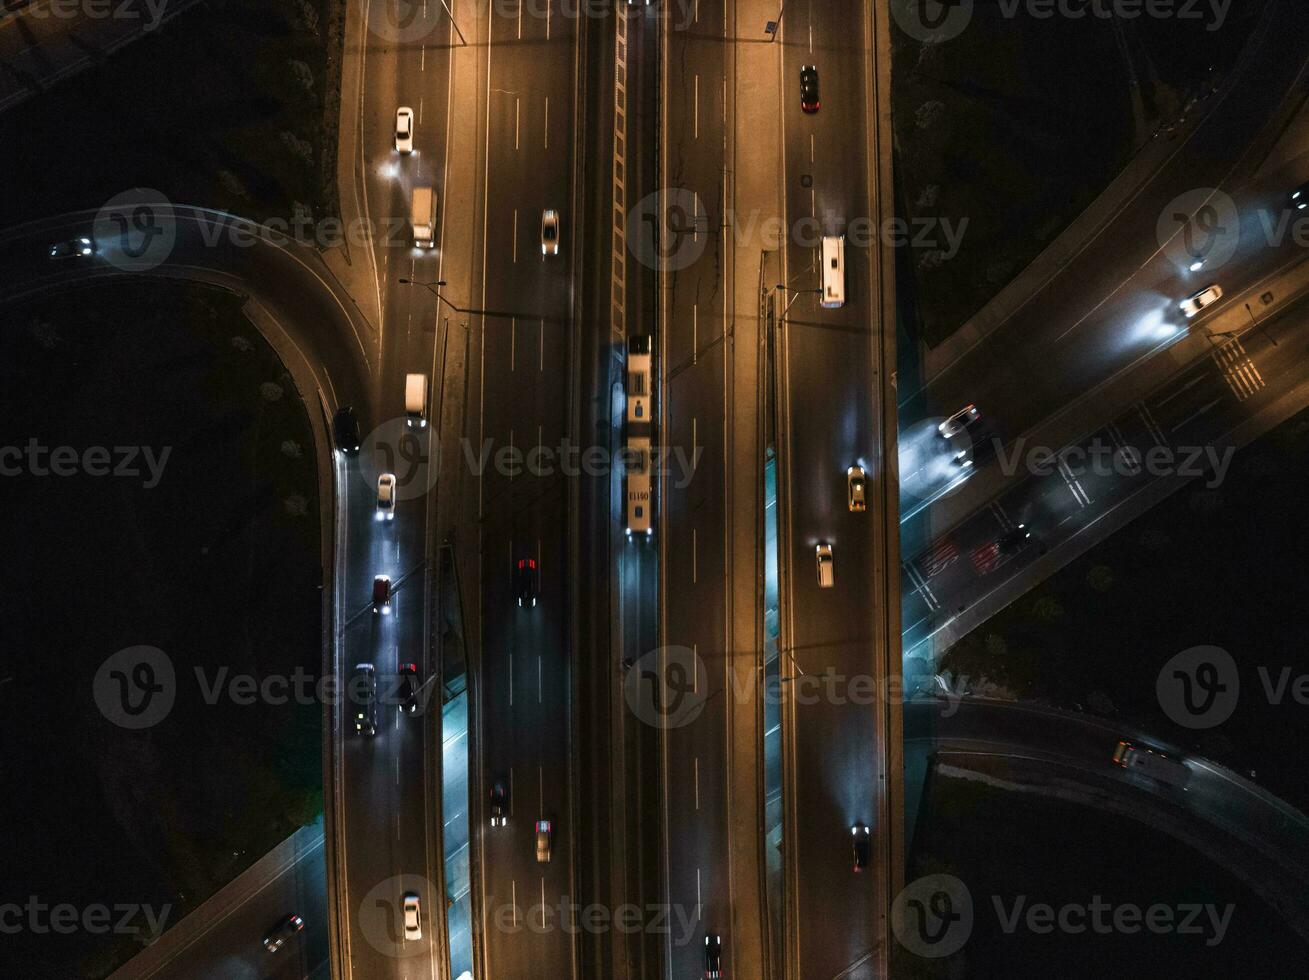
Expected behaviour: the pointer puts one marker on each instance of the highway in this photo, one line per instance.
(832, 376)
(1111, 306)
(388, 785)
(524, 382)
(1216, 402)
(1257, 837)
(696, 586)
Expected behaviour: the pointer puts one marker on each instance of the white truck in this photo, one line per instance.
(416, 400)
(422, 216)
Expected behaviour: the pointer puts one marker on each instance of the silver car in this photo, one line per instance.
(550, 232)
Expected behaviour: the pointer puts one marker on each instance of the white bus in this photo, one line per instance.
(639, 379)
(833, 258)
(638, 487)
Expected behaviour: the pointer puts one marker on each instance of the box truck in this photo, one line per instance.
(423, 217)
(416, 400)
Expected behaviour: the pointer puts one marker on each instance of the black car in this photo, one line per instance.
(1300, 197)
(382, 594)
(527, 581)
(499, 804)
(859, 834)
(73, 249)
(345, 427)
(713, 956)
(1014, 540)
(283, 933)
(364, 694)
(809, 88)
(409, 687)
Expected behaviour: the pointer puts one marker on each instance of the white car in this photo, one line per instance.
(549, 232)
(1194, 304)
(413, 919)
(826, 571)
(404, 129)
(959, 421)
(386, 497)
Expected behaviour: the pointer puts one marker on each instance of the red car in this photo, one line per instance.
(382, 594)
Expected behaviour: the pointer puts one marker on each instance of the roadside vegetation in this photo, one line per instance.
(230, 105)
(1016, 850)
(1017, 124)
(214, 559)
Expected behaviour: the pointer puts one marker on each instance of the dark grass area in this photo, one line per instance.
(1223, 567)
(217, 565)
(233, 105)
(1004, 845)
(1017, 124)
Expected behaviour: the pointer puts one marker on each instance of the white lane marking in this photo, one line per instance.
(695, 105)
(812, 148)
(513, 899)
(514, 240)
(517, 115)
(422, 64)
(520, 20)
(543, 903)
(695, 332)
(697, 894)
(1191, 418)
(547, 122)
(696, 763)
